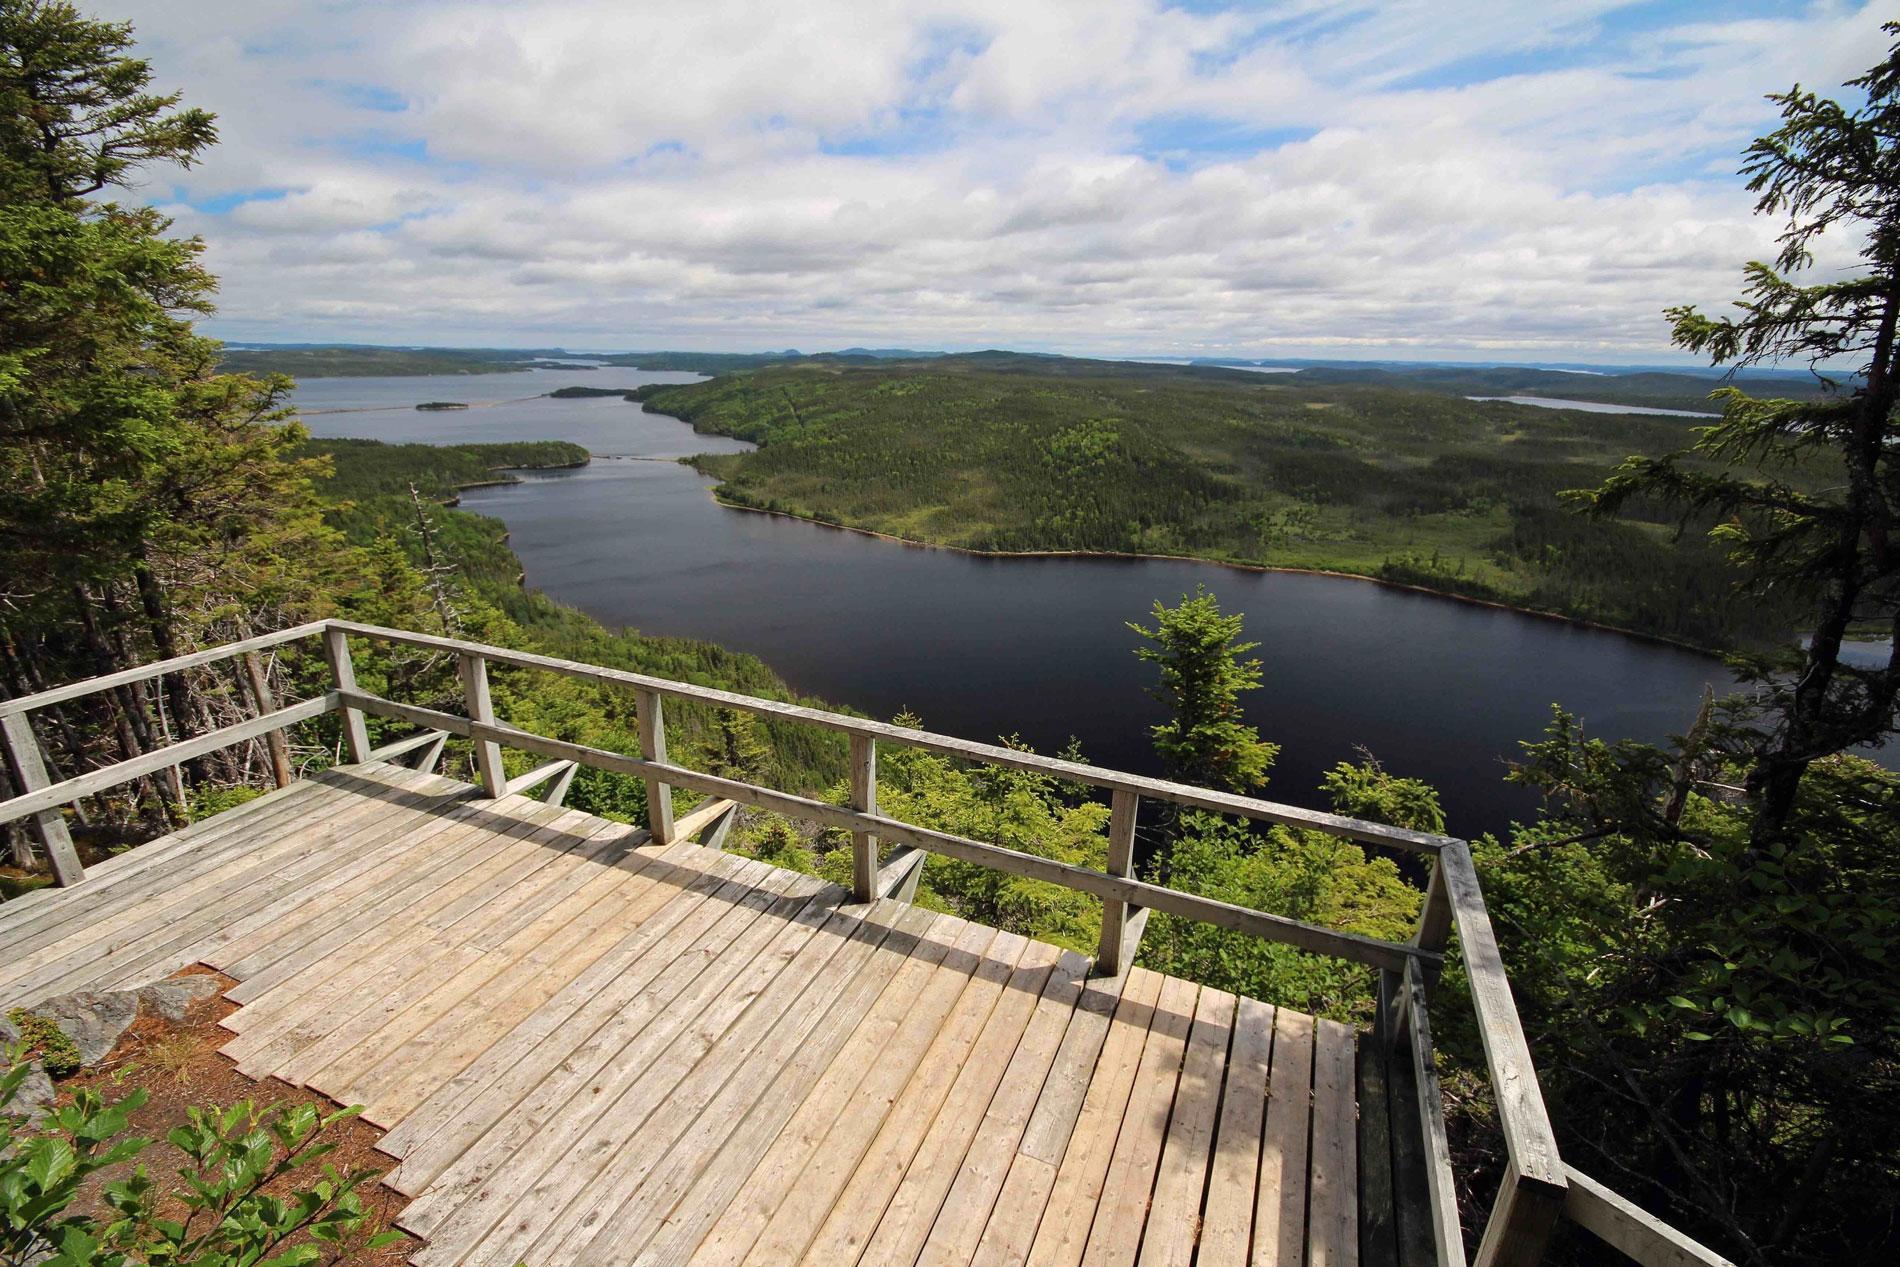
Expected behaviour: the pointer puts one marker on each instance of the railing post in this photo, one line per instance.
(261, 698)
(1522, 1220)
(28, 769)
(1532, 1194)
(652, 721)
(474, 671)
(864, 800)
(1434, 921)
(336, 649)
(1124, 806)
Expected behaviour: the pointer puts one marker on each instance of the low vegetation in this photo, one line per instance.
(253, 1189)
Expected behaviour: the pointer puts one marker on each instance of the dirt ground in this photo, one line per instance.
(177, 1064)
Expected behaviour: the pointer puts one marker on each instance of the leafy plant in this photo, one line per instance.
(238, 1210)
(41, 1170)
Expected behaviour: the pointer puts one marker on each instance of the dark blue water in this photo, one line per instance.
(1436, 689)
(503, 407)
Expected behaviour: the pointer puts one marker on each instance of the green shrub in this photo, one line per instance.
(233, 1155)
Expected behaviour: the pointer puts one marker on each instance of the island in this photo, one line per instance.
(439, 405)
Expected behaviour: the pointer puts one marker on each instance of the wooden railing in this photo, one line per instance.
(1538, 1186)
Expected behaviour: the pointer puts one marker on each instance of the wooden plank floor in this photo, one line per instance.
(585, 1050)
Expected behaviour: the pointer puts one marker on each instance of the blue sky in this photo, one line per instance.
(1454, 179)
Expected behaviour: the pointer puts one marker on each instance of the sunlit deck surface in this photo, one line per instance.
(585, 1050)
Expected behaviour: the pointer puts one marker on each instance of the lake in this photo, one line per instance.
(1595, 406)
(979, 647)
(504, 407)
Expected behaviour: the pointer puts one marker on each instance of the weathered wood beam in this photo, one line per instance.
(481, 708)
(1523, 1218)
(536, 777)
(701, 816)
(63, 793)
(261, 699)
(1124, 809)
(406, 745)
(1627, 1227)
(652, 725)
(1534, 1186)
(1434, 920)
(26, 765)
(557, 790)
(1441, 1190)
(898, 877)
(864, 800)
(158, 668)
(336, 649)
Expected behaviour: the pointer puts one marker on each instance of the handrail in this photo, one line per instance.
(992, 754)
(1387, 955)
(1626, 1226)
(1538, 1187)
(93, 782)
(158, 668)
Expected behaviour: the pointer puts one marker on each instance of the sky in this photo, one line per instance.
(1448, 179)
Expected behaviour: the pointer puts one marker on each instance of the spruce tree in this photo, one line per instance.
(1204, 741)
(151, 503)
(1828, 169)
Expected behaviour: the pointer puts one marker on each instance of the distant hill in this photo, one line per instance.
(348, 361)
(1650, 388)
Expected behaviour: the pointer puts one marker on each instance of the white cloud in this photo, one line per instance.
(1479, 177)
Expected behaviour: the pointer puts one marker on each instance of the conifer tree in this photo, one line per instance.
(1828, 170)
(151, 504)
(1204, 741)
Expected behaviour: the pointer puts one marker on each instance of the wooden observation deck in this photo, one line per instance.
(602, 1044)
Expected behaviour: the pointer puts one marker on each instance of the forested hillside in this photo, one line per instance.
(995, 452)
(1646, 389)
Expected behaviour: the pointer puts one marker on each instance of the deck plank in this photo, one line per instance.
(552, 896)
(707, 1182)
(480, 1135)
(576, 1193)
(1227, 1224)
(913, 1208)
(350, 954)
(814, 1149)
(562, 1109)
(176, 910)
(52, 914)
(762, 1043)
(435, 895)
(1075, 1190)
(854, 1216)
(1279, 1225)
(1378, 1226)
(1115, 1240)
(670, 918)
(1333, 1185)
(1174, 1212)
(972, 1197)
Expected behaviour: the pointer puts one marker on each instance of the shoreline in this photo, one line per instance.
(1493, 604)
(506, 482)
